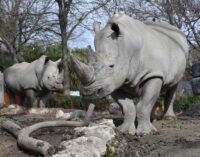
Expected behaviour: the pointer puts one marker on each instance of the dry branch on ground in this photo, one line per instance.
(42, 147)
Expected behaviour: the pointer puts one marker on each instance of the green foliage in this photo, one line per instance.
(60, 100)
(109, 152)
(54, 52)
(2, 119)
(5, 62)
(33, 52)
(184, 102)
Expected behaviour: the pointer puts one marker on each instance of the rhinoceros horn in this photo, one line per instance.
(90, 55)
(84, 72)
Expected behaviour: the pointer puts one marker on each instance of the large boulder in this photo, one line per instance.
(196, 70)
(196, 78)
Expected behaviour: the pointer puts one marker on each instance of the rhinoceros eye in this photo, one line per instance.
(111, 66)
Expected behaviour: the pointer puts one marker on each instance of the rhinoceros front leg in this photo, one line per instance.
(30, 98)
(169, 103)
(43, 100)
(150, 93)
(129, 112)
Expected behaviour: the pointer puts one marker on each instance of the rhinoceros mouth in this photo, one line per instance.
(58, 87)
(98, 93)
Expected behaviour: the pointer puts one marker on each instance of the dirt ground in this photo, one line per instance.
(175, 138)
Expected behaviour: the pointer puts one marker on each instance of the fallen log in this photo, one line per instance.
(42, 147)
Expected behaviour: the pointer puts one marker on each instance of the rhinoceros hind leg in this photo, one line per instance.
(128, 107)
(168, 104)
(11, 96)
(151, 91)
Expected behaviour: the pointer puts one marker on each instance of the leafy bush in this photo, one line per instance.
(33, 52)
(184, 102)
(5, 62)
(60, 100)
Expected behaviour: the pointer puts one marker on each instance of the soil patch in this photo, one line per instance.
(174, 139)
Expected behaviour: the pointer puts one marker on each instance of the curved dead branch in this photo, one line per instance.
(42, 147)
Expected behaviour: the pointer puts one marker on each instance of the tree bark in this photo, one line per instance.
(42, 147)
(64, 7)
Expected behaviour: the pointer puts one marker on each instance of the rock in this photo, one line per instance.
(61, 115)
(41, 111)
(78, 114)
(101, 131)
(196, 86)
(107, 122)
(184, 88)
(92, 143)
(77, 151)
(193, 111)
(12, 106)
(196, 70)
(96, 144)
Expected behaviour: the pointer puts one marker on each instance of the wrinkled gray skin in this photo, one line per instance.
(134, 59)
(32, 80)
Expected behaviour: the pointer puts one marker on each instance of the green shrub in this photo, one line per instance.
(78, 102)
(184, 102)
(5, 62)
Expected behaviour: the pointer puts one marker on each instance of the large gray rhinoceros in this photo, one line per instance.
(134, 59)
(35, 79)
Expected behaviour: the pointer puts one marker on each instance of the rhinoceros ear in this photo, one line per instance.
(46, 60)
(115, 28)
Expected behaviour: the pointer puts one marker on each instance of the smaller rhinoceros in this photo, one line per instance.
(32, 80)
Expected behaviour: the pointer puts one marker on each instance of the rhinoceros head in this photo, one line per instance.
(107, 68)
(50, 77)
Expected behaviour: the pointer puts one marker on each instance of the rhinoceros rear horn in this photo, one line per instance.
(90, 55)
(96, 26)
(84, 72)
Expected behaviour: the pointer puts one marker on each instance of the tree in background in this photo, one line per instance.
(71, 14)
(21, 21)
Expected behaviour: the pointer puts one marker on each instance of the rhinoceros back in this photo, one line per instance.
(172, 32)
(20, 76)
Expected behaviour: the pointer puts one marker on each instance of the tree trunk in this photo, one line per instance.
(63, 21)
(65, 60)
(13, 54)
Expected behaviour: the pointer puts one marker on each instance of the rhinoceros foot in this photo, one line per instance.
(145, 129)
(127, 128)
(170, 117)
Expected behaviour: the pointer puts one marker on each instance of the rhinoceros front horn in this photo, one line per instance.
(84, 72)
